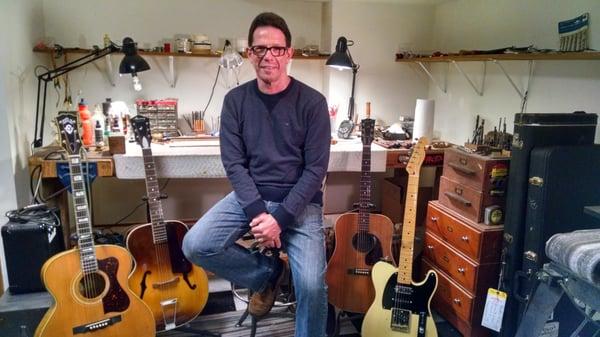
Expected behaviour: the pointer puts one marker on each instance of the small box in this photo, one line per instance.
(392, 198)
(116, 144)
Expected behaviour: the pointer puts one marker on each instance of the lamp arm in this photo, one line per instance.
(54, 73)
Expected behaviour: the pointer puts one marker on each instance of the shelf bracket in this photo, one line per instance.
(522, 94)
(444, 89)
(477, 90)
(108, 71)
(171, 77)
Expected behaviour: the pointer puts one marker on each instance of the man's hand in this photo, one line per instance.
(266, 230)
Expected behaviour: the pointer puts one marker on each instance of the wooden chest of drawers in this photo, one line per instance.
(471, 183)
(486, 174)
(466, 256)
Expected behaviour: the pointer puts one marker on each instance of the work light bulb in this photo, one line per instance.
(137, 85)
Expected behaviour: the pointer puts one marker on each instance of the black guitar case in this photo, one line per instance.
(530, 131)
(562, 181)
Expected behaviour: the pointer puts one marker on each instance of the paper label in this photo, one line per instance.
(550, 330)
(494, 309)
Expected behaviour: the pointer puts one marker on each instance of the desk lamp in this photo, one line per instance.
(132, 63)
(342, 60)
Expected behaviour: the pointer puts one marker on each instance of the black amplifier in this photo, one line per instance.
(30, 238)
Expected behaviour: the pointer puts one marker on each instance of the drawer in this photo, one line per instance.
(457, 266)
(483, 173)
(467, 201)
(480, 242)
(449, 294)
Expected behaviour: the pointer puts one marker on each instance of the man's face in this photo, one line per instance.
(269, 54)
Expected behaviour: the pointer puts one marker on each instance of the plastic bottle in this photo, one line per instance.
(87, 131)
(98, 121)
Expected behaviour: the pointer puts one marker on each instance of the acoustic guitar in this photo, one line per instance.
(175, 289)
(401, 306)
(89, 283)
(360, 241)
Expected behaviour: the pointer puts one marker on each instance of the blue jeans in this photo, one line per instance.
(211, 244)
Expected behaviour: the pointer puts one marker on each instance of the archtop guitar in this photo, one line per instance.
(175, 289)
(361, 240)
(402, 307)
(89, 283)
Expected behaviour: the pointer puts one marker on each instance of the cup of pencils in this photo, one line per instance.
(198, 122)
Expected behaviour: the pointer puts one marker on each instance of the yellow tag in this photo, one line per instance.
(494, 309)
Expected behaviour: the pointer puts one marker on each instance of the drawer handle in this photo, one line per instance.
(461, 270)
(464, 238)
(457, 301)
(429, 247)
(449, 229)
(461, 168)
(458, 198)
(446, 258)
(434, 218)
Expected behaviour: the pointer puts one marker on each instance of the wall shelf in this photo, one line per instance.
(297, 55)
(496, 59)
(505, 57)
(172, 76)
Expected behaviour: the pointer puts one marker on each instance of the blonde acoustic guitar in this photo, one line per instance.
(89, 283)
(402, 307)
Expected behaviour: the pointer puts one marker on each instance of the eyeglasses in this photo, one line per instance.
(261, 51)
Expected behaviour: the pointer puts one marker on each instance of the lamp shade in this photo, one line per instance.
(340, 58)
(230, 59)
(132, 62)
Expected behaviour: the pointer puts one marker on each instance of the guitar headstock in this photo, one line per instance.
(367, 127)
(416, 158)
(66, 122)
(141, 130)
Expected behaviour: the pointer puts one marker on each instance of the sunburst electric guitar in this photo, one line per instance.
(361, 240)
(401, 306)
(89, 283)
(175, 289)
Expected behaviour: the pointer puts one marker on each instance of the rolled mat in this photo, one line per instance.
(578, 251)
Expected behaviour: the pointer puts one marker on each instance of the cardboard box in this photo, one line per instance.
(392, 198)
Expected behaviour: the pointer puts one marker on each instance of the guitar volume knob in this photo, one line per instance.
(464, 238)
(429, 247)
(434, 218)
(457, 301)
(461, 270)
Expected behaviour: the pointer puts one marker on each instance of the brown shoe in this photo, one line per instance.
(261, 302)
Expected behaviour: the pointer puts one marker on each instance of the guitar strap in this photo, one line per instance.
(542, 304)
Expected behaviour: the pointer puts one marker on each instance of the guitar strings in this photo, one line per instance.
(160, 248)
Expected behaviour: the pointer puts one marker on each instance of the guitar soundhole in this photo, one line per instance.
(364, 242)
(92, 285)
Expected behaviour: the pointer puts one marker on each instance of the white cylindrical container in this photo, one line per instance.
(424, 113)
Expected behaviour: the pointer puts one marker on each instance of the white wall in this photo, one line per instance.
(150, 23)
(557, 86)
(21, 25)
(378, 31)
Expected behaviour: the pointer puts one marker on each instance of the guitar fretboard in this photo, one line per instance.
(85, 241)
(365, 190)
(408, 231)
(159, 232)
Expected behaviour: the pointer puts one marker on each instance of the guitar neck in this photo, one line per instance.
(365, 189)
(408, 231)
(85, 239)
(159, 232)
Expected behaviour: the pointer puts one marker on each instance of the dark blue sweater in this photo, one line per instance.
(279, 156)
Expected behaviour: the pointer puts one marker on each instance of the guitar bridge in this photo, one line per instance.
(96, 325)
(400, 320)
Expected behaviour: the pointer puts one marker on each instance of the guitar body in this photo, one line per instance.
(349, 285)
(175, 289)
(378, 320)
(115, 309)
